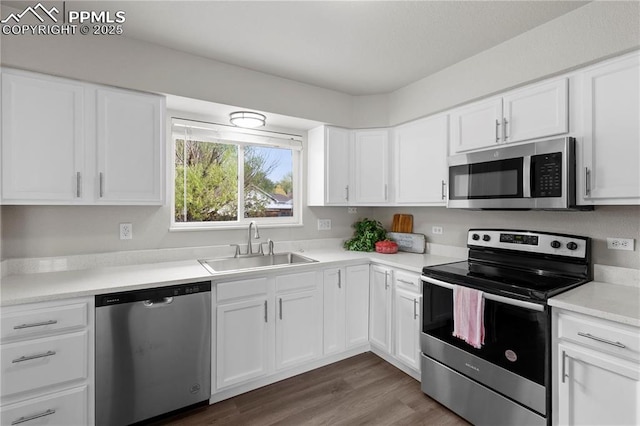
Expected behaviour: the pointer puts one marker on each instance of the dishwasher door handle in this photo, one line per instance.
(158, 302)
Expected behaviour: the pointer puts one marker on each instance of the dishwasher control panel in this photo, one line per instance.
(157, 293)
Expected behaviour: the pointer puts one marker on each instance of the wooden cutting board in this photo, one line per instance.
(402, 223)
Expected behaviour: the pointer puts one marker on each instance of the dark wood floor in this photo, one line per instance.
(360, 390)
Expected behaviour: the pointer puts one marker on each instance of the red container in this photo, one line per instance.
(386, 247)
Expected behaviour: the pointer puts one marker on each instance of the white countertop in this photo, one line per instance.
(38, 287)
(614, 302)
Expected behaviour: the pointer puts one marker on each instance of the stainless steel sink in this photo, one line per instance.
(253, 262)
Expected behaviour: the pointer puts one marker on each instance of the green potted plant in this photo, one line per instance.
(367, 233)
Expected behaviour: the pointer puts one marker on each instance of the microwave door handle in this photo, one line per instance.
(490, 296)
(526, 176)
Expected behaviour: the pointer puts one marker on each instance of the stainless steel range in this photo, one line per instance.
(507, 380)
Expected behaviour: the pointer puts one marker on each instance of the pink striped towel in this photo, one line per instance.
(468, 315)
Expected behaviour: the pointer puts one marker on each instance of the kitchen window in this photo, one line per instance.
(226, 176)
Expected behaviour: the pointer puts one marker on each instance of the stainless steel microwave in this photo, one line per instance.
(540, 175)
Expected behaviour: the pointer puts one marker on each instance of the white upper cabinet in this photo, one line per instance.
(420, 161)
(476, 126)
(328, 166)
(370, 167)
(129, 126)
(533, 112)
(536, 111)
(42, 139)
(611, 143)
(348, 167)
(67, 142)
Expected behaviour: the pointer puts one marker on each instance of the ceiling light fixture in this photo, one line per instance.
(247, 119)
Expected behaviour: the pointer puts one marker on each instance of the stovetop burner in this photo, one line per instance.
(522, 264)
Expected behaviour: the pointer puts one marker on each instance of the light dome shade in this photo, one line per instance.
(247, 119)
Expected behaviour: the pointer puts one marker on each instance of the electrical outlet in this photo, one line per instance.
(620, 243)
(437, 230)
(352, 210)
(126, 231)
(324, 224)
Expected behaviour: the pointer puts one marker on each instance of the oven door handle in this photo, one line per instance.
(490, 296)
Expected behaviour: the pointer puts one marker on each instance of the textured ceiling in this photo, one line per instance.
(355, 47)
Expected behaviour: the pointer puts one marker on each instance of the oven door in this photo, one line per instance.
(514, 359)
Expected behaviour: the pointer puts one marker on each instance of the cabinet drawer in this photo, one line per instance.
(61, 408)
(241, 289)
(43, 362)
(408, 281)
(296, 282)
(602, 335)
(32, 323)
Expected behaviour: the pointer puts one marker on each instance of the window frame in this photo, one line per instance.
(248, 137)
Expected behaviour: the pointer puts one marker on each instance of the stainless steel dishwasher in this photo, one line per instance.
(153, 352)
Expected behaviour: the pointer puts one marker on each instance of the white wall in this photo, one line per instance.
(592, 32)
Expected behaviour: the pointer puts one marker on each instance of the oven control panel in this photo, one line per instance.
(531, 242)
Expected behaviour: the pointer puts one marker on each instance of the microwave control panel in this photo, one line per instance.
(546, 175)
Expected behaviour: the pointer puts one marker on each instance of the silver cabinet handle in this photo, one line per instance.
(386, 280)
(78, 184)
(339, 278)
(101, 186)
(346, 193)
(386, 193)
(265, 311)
(504, 129)
(30, 357)
(497, 135)
(587, 182)
(281, 308)
(444, 196)
(564, 362)
(600, 339)
(33, 417)
(34, 324)
(415, 311)
(405, 281)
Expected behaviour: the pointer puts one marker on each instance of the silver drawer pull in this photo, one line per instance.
(34, 324)
(33, 417)
(30, 357)
(600, 339)
(406, 282)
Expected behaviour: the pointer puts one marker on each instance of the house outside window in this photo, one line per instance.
(215, 166)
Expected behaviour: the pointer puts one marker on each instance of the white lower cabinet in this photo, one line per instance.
(597, 371)
(346, 308)
(299, 321)
(46, 362)
(407, 318)
(266, 324)
(380, 310)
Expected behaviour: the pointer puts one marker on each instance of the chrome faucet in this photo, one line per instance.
(256, 236)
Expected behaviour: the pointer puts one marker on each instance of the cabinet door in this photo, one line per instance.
(597, 389)
(407, 327)
(380, 310)
(130, 140)
(242, 332)
(334, 310)
(475, 126)
(371, 166)
(337, 165)
(42, 139)
(536, 111)
(357, 305)
(421, 161)
(612, 130)
(298, 328)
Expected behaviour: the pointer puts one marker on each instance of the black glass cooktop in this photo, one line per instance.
(504, 280)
